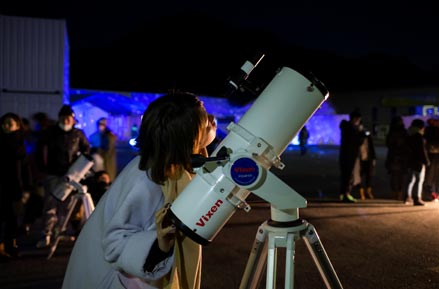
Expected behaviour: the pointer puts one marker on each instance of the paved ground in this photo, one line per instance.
(373, 244)
(376, 243)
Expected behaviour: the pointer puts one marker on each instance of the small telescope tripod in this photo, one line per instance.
(81, 195)
(272, 235)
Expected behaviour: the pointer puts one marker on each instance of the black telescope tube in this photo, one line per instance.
(185, 229)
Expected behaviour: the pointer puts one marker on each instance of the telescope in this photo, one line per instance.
(71, 180)
(241, 164)
(252, 147)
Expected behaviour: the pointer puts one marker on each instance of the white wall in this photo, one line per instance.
(33, 65)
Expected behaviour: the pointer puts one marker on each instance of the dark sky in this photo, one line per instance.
(195, 45)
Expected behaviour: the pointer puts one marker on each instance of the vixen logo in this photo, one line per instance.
(244, 171)
(205, 218)
(240, 170)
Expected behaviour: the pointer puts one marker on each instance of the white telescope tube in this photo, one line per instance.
(279, 112)
(75, 174)
(282, 109)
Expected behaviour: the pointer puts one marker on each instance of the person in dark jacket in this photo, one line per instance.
(103, 143)
(351, 139)
(15, 181)
(303, 140)
(417, 162)
(432, 142)
(57, 149)
(397, 157)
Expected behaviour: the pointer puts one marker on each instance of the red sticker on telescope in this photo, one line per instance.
(244, 171)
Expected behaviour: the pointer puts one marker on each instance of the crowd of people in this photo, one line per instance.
(34, 164)
(412, 160)
(357, 159)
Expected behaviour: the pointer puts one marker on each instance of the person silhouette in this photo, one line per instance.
(417, 162)
(57, 149)
(103, 142)
(303, 140)
(351, 140)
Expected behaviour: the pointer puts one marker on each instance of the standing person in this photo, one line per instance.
(396, 161)
(24, 216)
(42, 121)
(303, 140)
(34, 207)
(57, 149)
(15, 181)
(351, 139)
(134, 131)
(125, 243)
(417, 162)
(103, 142)
(432, 142)
(367, 165)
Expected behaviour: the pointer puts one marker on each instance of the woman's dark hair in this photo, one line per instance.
(169, 131)
(13, 116)
(355, 114)
(419, 123)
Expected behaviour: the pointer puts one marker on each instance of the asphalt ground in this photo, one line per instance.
(378, 243)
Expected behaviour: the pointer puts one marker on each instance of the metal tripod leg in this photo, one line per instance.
(320, 257)
(88, 209)
(256, 261)
(63, 228)
(268, 239)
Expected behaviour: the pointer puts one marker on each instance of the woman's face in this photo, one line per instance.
(207, 132)
(10, 125)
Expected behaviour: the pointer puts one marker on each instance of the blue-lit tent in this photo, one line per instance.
(125, 109)
(120, 109)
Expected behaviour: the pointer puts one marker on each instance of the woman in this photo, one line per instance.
(367, 165)
(124, 243)
(15, 181)
(432, 144)
(397, 157)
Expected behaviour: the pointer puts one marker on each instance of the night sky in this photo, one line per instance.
(197, 45)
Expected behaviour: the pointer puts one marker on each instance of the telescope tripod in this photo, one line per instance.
(272, 235)
(83, 196)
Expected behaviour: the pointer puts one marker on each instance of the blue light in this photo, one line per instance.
(132, 142)
(124, 111)
(66, 83)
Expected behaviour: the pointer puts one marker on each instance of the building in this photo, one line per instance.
(34, 65)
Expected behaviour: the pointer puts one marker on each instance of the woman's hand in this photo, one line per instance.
(165, 232)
